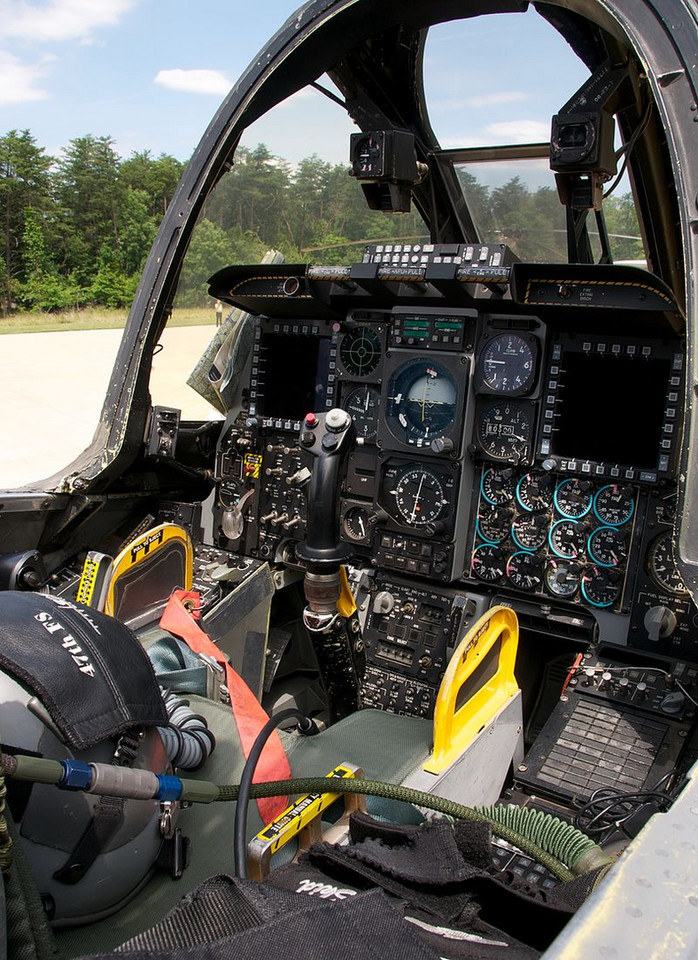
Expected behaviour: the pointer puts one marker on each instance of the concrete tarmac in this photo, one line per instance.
(53, 385)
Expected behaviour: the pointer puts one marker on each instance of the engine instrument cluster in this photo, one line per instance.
(567, 538)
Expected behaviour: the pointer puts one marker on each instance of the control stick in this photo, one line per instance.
(328, 438)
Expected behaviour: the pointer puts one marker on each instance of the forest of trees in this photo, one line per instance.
(76, 229)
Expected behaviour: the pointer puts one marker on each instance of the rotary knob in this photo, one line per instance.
(660, 622)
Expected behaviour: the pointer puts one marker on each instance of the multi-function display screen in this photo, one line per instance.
(293, 373)
(611, 408)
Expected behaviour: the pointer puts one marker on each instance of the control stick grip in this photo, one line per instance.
(328, 438)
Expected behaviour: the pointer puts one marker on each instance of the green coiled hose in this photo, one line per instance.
(561, 839)
(558, 846)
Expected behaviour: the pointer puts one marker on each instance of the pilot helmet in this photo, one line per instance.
(76, 685)
(88, 854)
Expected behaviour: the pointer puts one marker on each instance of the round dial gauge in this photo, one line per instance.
(614, 504)
(562, 578)
(421, 402)
(357, 524)
(530, 530)
(662, 565)
(489, 563)
(360, 351)
(525, 570)
(229, 493)
(601, 586)
(367, 157)
(505, 430)
(507, 364)
(363, 403)
(493, 523)
(573, 498)
(534, 491)
(567, 538)
(419, 496)
(497, 486)
(607, 547)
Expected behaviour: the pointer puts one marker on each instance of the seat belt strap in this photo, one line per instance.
(248, 714)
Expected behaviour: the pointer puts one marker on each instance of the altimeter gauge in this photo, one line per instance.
(505, 430)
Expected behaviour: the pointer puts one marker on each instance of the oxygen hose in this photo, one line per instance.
(549, 846)
(550, 843)
(187, 740)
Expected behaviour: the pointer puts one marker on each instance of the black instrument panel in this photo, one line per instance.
(496, 449)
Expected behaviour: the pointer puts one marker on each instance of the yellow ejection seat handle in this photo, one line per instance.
(478, 682)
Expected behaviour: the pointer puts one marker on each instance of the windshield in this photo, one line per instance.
(495, 129)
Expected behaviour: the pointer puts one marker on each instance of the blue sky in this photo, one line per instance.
(151, 73)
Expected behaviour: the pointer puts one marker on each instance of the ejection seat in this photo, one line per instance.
(465, 755)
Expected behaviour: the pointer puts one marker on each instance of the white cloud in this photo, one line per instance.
(18, 81)
(58, 19)
(194, 81)
(520, 131)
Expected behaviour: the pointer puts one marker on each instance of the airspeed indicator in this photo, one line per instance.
(507, 364)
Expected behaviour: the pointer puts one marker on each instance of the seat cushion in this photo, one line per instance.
(387, 747)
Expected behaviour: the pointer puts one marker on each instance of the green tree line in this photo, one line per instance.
(76, 229)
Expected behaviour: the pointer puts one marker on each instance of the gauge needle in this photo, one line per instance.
(416, 499)
(361, 525)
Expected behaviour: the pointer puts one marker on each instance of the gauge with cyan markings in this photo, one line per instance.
(607, 547)
(525, 570)
(614, 504)
(573, 498)
(601, 586)
(493, 523)
(534, 491)
(489, 563)
(530, 530)
(567, 538)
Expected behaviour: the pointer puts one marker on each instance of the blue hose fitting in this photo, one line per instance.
(170, 787)
(77, 775)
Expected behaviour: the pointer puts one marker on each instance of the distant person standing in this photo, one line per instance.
(219, 313)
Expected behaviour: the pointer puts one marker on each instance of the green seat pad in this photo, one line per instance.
(387, 747)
